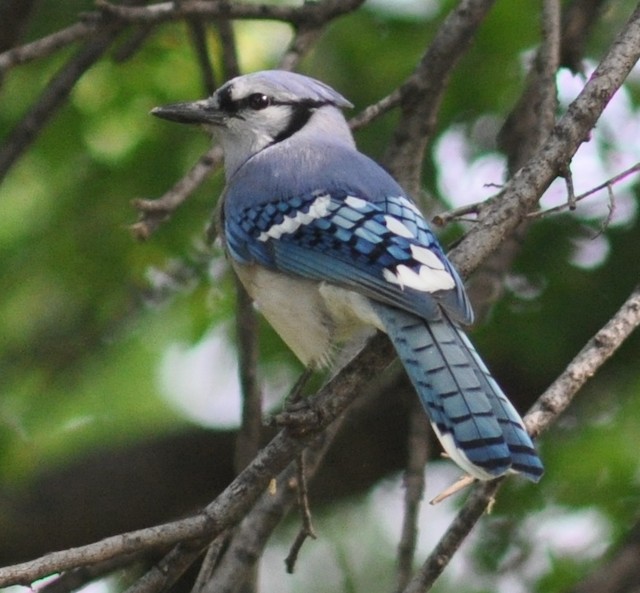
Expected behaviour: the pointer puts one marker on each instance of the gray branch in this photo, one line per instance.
(501, 215)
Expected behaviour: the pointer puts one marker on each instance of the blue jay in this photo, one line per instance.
(326, 242)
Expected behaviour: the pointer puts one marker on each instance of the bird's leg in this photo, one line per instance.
(295, 394)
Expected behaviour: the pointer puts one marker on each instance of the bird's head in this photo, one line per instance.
(252, 112)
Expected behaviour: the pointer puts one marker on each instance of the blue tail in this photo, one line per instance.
(476, 423)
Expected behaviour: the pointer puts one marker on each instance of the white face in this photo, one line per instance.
(255, 111)
(256, 116)
(257, 127)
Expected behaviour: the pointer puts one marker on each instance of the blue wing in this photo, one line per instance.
(382, 249)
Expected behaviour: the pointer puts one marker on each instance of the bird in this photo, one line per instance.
(326, 243)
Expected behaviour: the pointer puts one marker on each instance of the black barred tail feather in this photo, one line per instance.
(475, 422)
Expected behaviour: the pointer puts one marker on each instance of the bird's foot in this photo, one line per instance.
(296, 414)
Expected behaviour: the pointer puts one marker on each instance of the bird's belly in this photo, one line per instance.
(310, 317)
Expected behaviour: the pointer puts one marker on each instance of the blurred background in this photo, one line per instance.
(119, 398)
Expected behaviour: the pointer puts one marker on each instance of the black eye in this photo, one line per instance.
(258, 101)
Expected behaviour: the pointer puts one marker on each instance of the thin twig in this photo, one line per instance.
(306, 529)
(608, 184)
(571, 194)
(414, 483)
(303, 495)
(445, 218)
(45, 46)
(373, 112)
(611, 208)
(152, 213)
(296, 546)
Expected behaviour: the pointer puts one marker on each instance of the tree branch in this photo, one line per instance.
(422, 92)
(526, 127)
(533, 116)
(198, 34)
(474, 507)
(255, 530)
(601, 347)
(41, 48)
(236, 500)
(414, 483)
(152, 213)
(372, 112)
(303, 40)
(310, 14)
(501, 215)
(53, 97)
